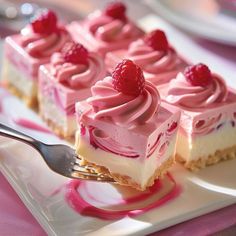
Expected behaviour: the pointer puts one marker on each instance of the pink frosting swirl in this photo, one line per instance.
(182, 93)
(77, 75)
(124, 110)
(108, 29)
(159, 66)
(42, 46)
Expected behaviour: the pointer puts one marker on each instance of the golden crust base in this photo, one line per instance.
(128, 181)
(202, 162)
(30, 101)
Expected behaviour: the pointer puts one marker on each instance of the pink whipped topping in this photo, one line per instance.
(108, 29)
(42, 46)
(124, 109)
(155, 62)
(77, 75)
(182, 93)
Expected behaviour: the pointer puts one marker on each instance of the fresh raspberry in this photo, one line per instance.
(198, 75)
(157, 40)
(116, 10)
(45, 22)
(75, 53)
(128, 78)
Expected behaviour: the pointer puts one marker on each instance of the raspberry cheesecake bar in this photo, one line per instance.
(107, 30)
(25, 52)
(124, 130)
(207, 131)
(63, 82)
(159, 61)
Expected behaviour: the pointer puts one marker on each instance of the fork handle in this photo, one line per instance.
(14, 134)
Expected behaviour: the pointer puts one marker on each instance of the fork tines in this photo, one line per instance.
(80, 162)
(86, 171)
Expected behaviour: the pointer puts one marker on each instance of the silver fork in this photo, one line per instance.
(59, 158)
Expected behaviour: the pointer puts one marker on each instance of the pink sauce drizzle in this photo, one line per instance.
(76, 188)
(30, 125)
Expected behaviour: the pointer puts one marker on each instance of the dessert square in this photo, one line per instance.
(124, 131)
(159, 61)
(26, 51)
(105, 31)
(207, 132)
(63, 82)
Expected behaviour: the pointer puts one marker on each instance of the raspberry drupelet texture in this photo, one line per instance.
(116, 10)
(198, 75)
(45, 22)
(75, 53)
(157, 40)
(128, 78)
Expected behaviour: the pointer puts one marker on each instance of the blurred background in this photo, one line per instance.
(210, 19)
(210, 24)
(14, 14)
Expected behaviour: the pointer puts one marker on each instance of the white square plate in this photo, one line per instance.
(43, 191)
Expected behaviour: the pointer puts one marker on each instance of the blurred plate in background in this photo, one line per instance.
(210, 19)
(14, 15)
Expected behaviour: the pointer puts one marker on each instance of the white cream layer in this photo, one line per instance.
(50, 111)
(139, 170)
(25, 85)
(202, 146)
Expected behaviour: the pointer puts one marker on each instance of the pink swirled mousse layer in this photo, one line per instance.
(159, 61)
(29, 49)
(124, 130)
(64, 81)
(207, 131)
(105, 31)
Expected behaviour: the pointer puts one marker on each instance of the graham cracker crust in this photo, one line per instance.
(128, 181)
(30, 101)
(202, 162)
